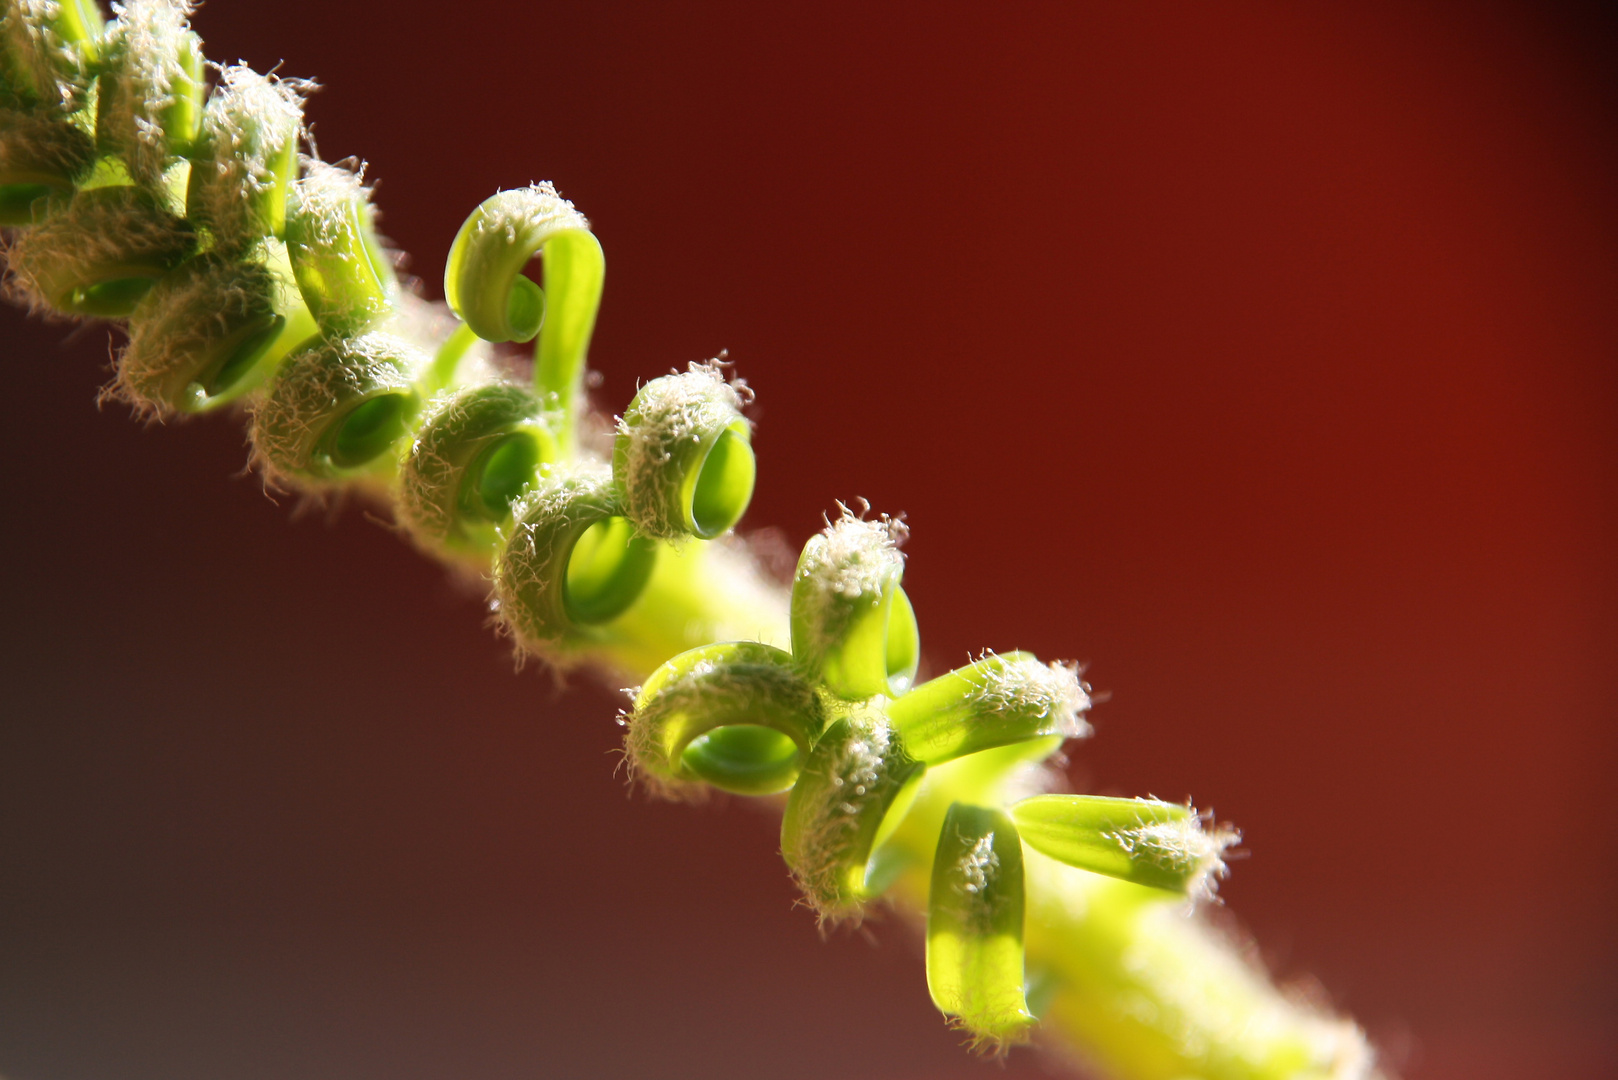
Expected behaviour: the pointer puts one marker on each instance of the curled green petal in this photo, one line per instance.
(150, 88)
(975, 925)
(338, 261)
(1158, 844)
(997, 700)
(483, 279)
(98, 252)
(737, 715)
(40, 155)
(338, 410)
(209, 332)
(485, 286)
(477, 449)
(45, 50)
(852, 624)
(683, 457)
(853, 791)
(571, 561)
(246, 156)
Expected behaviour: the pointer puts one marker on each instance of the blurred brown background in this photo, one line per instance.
(1262, 356)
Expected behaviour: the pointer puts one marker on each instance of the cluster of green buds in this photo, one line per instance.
(837, 723)
(249, 272)
(135, 193)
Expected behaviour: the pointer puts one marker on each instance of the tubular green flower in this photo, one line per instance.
(737, 715)
(150, 87)
(246, 156)
(477, 449)
(45, 49)
(1148, 842)
(97, 253)
(337, 259)
(996, 700)
(683, 457)
(975, 926)
(571, 562)
(852, 624)
(338, 411)
(853, 792)
(210, 331)
(40, 155)
(484, 283)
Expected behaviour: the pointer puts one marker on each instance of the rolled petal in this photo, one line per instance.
(570, 562)
(478, 448)
(246, 157)
(997, 700)
(683, 458)
(737, 715)
(854, 789)
(209, 332)
(46, 47)
(852, 624)
(149, 93)
(97, 252)
(341, 269)
(338, 411)
(975, 926)
(1159, 844)
(40, 155)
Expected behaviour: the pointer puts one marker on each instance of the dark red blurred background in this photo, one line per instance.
(1262, 356)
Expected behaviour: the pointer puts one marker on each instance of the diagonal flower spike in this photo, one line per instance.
(852, 624)
(975, 926)
(994, 701)
(737, 715)
(683, 456)
(1159, 844)
(484, 284)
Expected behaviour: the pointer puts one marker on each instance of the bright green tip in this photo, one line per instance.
(975, 926)
(1145, 841)
(852, 625)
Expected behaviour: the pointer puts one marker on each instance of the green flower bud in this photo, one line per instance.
(477, 450)
(683, 457)
(209, 332)
(1162, 845)
(342, 271)
(995, 701)
(246, 156)
(150, 89)
(852, 624)
(737, 715)
(853, 791)
(98, 252)
(45, 49)
(40, 155)
(485, 286)
(571, 562)
(483, 279)
(338, 410)
(975, 926)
